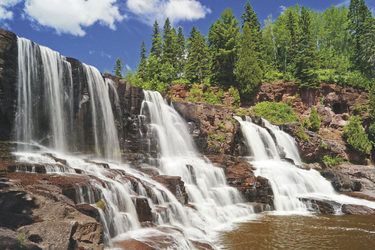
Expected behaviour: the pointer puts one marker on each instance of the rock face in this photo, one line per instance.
(175, 185)
(212, 126)
(8, 82)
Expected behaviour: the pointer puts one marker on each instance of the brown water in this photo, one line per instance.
(302, 232)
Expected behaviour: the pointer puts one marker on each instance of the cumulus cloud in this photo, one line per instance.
(177, 10)
(5, 5)
(72, 16)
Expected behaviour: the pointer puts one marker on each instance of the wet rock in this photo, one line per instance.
(340, 181)
(143, 209)
(357, 210)
(133, 244)
(321, 206)
(175, 185)
(88, 210)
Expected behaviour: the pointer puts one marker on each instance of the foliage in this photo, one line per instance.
(222, 127)
(356, 136)
(118, 68)
(248, 70)
(142, 66)
(235, 94)
(21, 238)
(275, 112)
(231, 120)
(220, 139)
(197, 65)
(331, 162)
(323, 145)
(223, 41)
(301, 134)
(305, 123)
(314, 120)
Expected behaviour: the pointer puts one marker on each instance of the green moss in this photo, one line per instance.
(231, 120)
(220, 139)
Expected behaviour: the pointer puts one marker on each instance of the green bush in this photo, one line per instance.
(356, 136)
(220, 139)
(332, 161)
(275, 112)
(314, 120)
(305, 123)
(272, 76)
(236, 95)
(196, 94)
(301, 134)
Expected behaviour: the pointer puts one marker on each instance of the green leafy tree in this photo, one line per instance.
(223, 40)
(275, 112)
(118, 68)
(372, 114)
(356, 136)
(307, 56)
(197, 65)
(248, 70)
(314, 120)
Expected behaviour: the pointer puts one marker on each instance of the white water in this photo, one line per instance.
(105, 133)
(288, 182)
(213, 204)
(53, 82)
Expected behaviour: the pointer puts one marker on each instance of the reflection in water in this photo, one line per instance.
(303, 232)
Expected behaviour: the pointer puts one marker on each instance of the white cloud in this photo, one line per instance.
(177, 10)
(5, 13)
(128, 67)
(72, 16)
(282, 9)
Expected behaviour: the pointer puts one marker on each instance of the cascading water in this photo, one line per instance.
(44, 95)
(289, 183)
(47, 119)
(215, 201)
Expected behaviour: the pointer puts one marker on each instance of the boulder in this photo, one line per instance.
(143, 209)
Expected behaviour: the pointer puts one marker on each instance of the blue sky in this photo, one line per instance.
(97, 32)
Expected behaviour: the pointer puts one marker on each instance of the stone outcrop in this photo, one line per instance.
(212, 126)
(8, 83)
(332, 207)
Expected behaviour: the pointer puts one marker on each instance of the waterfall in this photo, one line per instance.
(44, 96)
(289, 183)
(54, 118)
(215, 202)
(103, 121)
(45, 112)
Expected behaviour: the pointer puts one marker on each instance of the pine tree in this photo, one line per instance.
(307, 57)
(250, 17)
(157, 42)
(197, 65)
(248, 70)
(142, 67)
(358, 16)
(181, 51)
(223, 40)
(118, 68)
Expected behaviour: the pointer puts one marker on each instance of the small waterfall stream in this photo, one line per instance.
(289, 183)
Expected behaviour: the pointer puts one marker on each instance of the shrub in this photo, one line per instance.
(275, 112)
(236, 95)
(301, 134)
(356, 136)
(220, 139)
(314, 120)
(323, 145)
(196, 94)
(231, 120)
(305, 123)
(332, 161)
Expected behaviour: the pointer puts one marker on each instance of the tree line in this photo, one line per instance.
(336, 45)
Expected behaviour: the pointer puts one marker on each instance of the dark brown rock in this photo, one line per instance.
(88, 210)
(143, 209)
(8, 83)
(175, 185)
